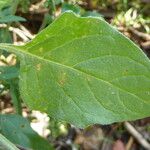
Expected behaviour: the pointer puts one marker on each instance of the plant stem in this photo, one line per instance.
(15, 99)
(54, 7)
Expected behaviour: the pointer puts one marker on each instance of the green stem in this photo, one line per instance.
(6, 144)
(54, 7)
(15, 99)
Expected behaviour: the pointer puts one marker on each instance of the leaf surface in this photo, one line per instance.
(83, 71)
(17, 129)
(9, 72)
(11, 18)
(4, 3)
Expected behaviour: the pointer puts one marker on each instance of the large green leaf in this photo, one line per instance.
(83, 71)
(17, 129)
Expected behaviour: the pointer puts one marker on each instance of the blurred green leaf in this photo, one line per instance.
(25, 5)
(50, 2)
(4, 3)
(46, 21)
(9, 75)
(57, 2)
(92, 13)
(5, 144)
(58, 128)
(8, 72)
(15, 96)
(5, 36)
(11, 18)
(17, 129)
(66, 7)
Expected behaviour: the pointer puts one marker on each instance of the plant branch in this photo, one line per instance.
(15, 99)
(137, 135)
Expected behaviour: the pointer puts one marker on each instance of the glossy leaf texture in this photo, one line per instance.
(83, 71)
(17, 129)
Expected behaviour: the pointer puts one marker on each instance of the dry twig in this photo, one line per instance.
(129, 144)
(21, 31)
(25, 31)
(137, 135)
(140, 34)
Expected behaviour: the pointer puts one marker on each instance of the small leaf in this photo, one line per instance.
(11, 18)
(9, 72)
(5, 36)
(92, 13)
(70, 7)
(9, 76)
(83, 71)
(4, 3)
(17, 129)
(5, 144)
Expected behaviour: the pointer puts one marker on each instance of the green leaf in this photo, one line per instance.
(15, 96)
(5, 36)
(66, 7)
(4, 3)
(5, 144)
(9, 76)
(92, 13)
(83, 71)
(11, 18)
(57, 2)
(9, 72)
(17, 129)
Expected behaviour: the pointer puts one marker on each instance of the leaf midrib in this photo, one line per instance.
(12, 49)
(79, 38)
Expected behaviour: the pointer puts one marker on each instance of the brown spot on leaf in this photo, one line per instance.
(125, 72)
(41, 49)
(62, 79)
(38, 67)
(22, 126)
